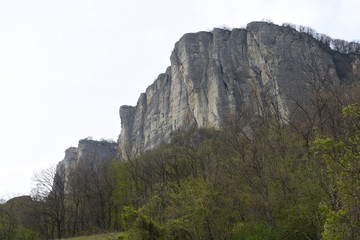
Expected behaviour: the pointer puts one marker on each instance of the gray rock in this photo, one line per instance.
(213, 74)
(89, 153)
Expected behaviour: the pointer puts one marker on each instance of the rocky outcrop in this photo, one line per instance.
(213, 74)
(89, 153)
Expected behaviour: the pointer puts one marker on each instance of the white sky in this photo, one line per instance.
(67, 66)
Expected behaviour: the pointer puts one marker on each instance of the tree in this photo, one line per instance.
(341, 157)
(49, 194)
(16, 219)
(8, 221)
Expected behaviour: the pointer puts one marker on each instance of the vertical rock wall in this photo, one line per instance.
(213, 74)
(89, 153)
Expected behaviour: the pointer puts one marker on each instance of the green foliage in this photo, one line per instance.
(147, 229)
(342, 164)
(189, 210)
(257, 182)
(178, 229)
(253, 232)
(266, 184)
(300, 221)
(121, 177)
(352, 111)
(337, 225)
(128, 217)
(139, 225)
(195, 210)
(27, 234)
(120, 194)
(123, 236)
(3, 231)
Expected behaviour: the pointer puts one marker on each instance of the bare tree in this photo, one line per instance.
(49, 193)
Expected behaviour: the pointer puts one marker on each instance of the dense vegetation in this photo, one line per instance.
(262, 176)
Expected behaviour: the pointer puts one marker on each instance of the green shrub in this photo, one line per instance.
(253, 232)
(128, 217)
(178, 230)
(27, 234)
(123, 236)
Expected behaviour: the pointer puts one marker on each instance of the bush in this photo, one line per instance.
(27, 234)
(123, 236)
(253, 232)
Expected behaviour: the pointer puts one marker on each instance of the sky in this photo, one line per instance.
(67, 66)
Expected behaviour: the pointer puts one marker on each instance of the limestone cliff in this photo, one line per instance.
(212, 74)
(89, 153)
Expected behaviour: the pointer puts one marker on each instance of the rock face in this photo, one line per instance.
(212, 74)
(90, 153)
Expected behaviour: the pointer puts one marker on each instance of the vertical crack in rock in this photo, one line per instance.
(214, 74)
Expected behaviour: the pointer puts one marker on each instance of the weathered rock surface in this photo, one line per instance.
(89, 153)
(212, 74)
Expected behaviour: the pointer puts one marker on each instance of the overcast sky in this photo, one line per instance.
(66, 66)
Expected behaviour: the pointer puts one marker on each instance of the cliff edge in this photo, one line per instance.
(213, 74)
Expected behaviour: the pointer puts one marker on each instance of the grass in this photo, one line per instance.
(107, 236)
